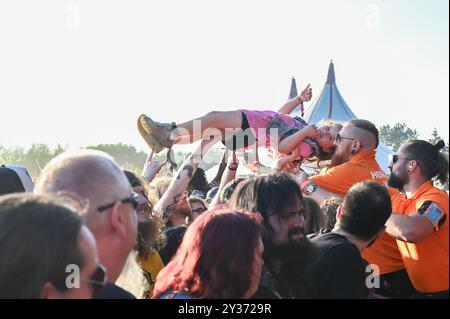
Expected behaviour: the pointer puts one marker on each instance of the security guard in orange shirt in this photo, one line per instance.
(420, 216)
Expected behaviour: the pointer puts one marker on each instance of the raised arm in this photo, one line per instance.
(290, 105)
(179, 183)
(223, 164)
(228, 175)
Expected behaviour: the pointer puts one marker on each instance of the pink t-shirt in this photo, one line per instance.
(258, 121)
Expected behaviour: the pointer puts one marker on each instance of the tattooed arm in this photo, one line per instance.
(228, 175)
(179, 183)
(223, 164)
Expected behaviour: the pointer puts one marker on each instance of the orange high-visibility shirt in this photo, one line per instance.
(427, 261)
(384, 252)
(361, 167)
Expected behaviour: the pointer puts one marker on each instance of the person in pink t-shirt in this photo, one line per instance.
(243, 128)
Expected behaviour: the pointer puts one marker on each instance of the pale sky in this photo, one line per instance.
(80, 72)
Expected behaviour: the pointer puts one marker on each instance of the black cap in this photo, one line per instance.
(10, 181)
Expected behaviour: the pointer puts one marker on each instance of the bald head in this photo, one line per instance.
(364, 131)
(94, 176)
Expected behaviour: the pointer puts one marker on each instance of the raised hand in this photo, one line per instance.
(287, 162)
(306, 94)
(151, 168)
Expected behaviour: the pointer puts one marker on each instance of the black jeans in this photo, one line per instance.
(396, 285)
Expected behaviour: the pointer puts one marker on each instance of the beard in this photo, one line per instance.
(395, 181)
(298, 255)
(339, 158)
(184, 210)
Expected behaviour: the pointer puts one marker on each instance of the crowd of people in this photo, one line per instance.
(89, 229)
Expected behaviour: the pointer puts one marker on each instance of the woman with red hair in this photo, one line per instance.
(220, 257)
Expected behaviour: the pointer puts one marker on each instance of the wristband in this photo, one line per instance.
(308, 187)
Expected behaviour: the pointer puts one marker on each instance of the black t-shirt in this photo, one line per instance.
(174, 237)
(341, 271)
(111, 291)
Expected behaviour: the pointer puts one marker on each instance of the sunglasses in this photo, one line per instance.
(98, 279)
(395, 158)
(339, 137)
(133, 200)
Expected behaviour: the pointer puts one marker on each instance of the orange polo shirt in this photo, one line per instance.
(384, 252)
(427, 261)
(361, 167)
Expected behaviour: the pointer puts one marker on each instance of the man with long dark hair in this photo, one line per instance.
(288, 253)
(420, 222)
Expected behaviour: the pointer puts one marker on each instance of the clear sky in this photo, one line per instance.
(79, 72)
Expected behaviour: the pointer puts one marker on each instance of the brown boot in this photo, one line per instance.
(160, 132)
(151, 142)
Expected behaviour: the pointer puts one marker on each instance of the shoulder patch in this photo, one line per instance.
(434, 213)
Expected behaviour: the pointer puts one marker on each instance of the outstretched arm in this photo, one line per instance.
(181, 180)
(412, 229)
(310, 189)
(290, 105)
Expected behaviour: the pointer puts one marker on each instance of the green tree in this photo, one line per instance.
(36, 158)
(126, 155)
(397, 134)
(11, 156)
(59, 149)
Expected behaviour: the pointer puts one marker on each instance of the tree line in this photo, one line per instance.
(38, 155)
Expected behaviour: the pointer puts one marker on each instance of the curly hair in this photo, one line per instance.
(150, 234)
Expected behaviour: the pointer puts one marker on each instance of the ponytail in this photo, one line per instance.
(433, 163)
(441, 167)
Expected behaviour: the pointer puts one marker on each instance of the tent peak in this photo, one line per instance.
(331, 78)
(293, 92)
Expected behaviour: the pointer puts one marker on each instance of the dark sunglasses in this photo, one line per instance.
(395, 158)
(98, 279)
(339, 137)
(133, 200)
